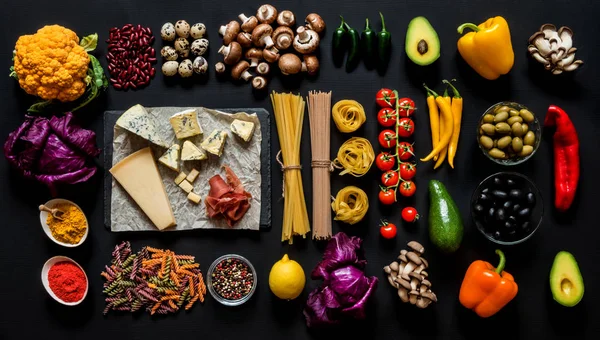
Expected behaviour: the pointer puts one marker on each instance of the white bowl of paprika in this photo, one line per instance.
(65, 280)
(72, 230)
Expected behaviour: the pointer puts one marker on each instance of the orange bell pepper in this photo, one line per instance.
(486, 290)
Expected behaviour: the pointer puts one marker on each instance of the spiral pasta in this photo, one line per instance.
(350, 205)
(355, 156)
(348, 115)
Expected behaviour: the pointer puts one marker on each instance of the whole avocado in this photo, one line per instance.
(445, 223)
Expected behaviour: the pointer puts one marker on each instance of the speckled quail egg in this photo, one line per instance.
(199, 46)
(198, 31)
(200, 65)
(167, 32)
(185, 68)
(169, 53)
(182, 46)
(169, 68)
(182, 28)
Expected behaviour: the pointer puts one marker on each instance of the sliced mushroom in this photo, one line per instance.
(232, 53)
(220, 68)
(229, 31)
(266, 14)
(248, 23)
(310, 65)
(261, 36)
(403, 294)
(286, 18)
(271, 54)
(244, 39)
(315, 22)
(289, 63)
(283, 37)
(416, 246)
(240, 71)
(254, 55)
(413, 295)
(306, 41)
(413, 257)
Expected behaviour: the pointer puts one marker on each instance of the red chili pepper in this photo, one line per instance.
(566, 157)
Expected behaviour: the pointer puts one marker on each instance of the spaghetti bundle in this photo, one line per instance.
(348, 115)
(355, 156)
(289, 116)
(350, 205)
(319, 106)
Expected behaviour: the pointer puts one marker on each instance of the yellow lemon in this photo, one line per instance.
(286, 279)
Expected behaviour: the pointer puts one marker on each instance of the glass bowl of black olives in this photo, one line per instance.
(507, 208)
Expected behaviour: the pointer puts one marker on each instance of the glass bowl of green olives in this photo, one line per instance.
(508, 133)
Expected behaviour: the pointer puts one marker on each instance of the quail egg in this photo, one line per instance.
(200, 65)
(169, 53)
(182, 46)
(167, 32)
(198, 31)
(199, 46)
(185, 68)
(182, 28)
(169, 68)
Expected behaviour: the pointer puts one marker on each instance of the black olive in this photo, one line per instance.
(509, 225)
(516, 194)
(499, 194)
(510, 182)
(524, 213)
(485, 191)
(497, 235)
(500, 216)
(531, 198)
(507, 205)
(484, 197)
(498, 182)
(478, 209)
(491, 212)
(512, 219)
(525, 226)
(516, 207)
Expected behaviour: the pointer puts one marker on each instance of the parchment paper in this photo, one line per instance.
(242, 157)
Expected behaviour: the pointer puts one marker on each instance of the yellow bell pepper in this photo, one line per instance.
(488, 50)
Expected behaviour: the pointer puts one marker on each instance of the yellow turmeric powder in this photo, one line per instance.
(72, 227)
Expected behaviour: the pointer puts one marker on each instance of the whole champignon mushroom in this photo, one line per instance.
(283, 37)
(248, 23)
(289, 63)
(261, 36)
(232, 53)
(240, 71)
(271, 54)
(254, 55)
(229, 31)
(315, 22)
(266, 14)
(259, 83)
(220, 68)
(244, 39)
(263, 69)
(286, 18)
(306, 41)
(310, 65)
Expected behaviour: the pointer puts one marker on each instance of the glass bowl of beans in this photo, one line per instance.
(508, 133)
(231, 280)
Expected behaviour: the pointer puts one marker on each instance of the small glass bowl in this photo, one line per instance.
(216, 295)
(536, 213)
(533, 126)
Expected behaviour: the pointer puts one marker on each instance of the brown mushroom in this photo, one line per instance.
(413, 257)
(261, 35)
(244, 39)
(259, 83)
(310, 65)
(220, 68)
(306, 41)
(405, 276)
(416, 246)
(254, 55)
(271, 54)
(286, 18)
(413, 294)
(394, 266)
(315, 22)
(403, 283)
(403, 252)
(263, 69)
(229, 31)
(425, 285)
(391, 281)
(283, 37)
(424, 273)
(266, 14)
(415, 279)
(232, 53)
(240, 71)
(248, 23)
(429, 295)
(387, 269)
(422, 303)
(425, 263)
(403, 294)
(402, 257)
(289, 63)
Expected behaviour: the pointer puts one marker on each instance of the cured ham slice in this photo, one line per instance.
(227, 199)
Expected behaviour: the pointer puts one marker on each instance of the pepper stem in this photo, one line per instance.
(382, 22)
(342, 23)
(456, 94)
(367, 28)
(430, 92)
(347, 26)
(502, 263)
(462, 27)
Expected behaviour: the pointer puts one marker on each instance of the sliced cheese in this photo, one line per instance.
(170, 159)
(139, 176)
(186, 186)
(193, 175)
(182, 175)
(215, 142)
(192, 196)
(242, 129)
(190, 152)
(138, 121)
(185, 124)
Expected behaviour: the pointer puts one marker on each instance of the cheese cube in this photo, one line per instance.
(215, 142)
(186, 186)
(243, 129)
(185, 124)
(192, 196)
(190, 152)
(171, 158)
(138, 121)
(182, 175)
(193, 175)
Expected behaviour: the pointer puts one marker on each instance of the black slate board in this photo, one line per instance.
(110, 118)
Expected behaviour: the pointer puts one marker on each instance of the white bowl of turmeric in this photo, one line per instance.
(71, 227)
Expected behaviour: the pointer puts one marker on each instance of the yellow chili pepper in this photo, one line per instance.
(488, 50)
(457, 106)
(444, 152)
(434, 121)
(446, 116)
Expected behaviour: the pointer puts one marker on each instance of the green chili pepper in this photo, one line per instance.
(338, 44)
(368, 41)
(353, 48)
(384, 43)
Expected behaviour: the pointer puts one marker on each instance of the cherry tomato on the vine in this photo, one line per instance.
(388, 230)
(406, 107)
(406, 127)
(407, 188)
(405, 151)
(409, 214)
(385, 161)
(390, 178)
(386, 117)
(408, 171)
(387, 138)
(385, 98)
(387, 196)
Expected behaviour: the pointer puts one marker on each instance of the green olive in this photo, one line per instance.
(486, 142)
(500, 117)
(527, 115)
(488, 129)
(497, 153)
(527, 150)
(513, 112)
(501, 109)
(517, 144)
(488, 118)
(502, 128)
(504, 142)
(517, 129)
(514, 119)
(525, 127)
(529, 138)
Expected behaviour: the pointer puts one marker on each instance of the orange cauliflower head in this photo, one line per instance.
(50, 64)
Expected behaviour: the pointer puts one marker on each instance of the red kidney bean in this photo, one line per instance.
(130, 56)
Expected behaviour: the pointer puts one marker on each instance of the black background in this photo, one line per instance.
(28, 312)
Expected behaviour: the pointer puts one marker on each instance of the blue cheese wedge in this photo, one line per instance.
(190, 152)
(215, 142)
(171, 158)
(186, 124)
(138, 121)
(242, 129)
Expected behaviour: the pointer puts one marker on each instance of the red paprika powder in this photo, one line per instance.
(67, 281)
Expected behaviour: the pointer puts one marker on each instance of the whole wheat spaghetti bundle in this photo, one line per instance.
(289, 116)
(319, 106)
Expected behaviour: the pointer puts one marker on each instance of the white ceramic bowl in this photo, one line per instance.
(44, 215)
(52, 261)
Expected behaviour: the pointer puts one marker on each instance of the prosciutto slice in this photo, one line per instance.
(227, 199)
